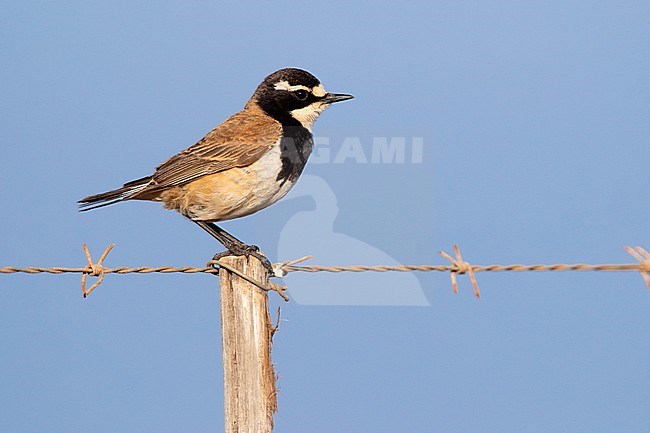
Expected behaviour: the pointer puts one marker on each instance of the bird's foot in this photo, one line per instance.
(247, 251)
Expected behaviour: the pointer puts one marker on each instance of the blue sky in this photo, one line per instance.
(533, 119)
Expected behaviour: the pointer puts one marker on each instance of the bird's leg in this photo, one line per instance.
(228, 240)
(233, 245)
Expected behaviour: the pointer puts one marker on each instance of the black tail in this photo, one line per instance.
(128, 191)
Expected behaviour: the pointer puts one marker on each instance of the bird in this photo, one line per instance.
(245, 164)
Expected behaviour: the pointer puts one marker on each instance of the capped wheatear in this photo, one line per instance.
(245, 164)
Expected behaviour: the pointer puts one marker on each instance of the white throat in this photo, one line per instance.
(308, 115)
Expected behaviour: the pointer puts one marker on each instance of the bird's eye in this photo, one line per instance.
(301, 94)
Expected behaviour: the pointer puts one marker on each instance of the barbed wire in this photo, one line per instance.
(456, 267)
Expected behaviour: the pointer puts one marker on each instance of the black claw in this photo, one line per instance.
(247, 251)
(219, 256)
(253, 248)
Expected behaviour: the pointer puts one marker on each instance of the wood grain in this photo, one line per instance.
(249, 378)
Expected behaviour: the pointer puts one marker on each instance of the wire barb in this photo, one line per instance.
(283, 268)
(93, 269)
(644, 259)
(459, 266)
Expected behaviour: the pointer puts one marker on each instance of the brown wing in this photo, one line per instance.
(238, 142)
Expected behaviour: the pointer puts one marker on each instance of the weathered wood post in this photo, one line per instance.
(249, 379)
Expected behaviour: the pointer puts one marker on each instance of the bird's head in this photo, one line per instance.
(293, 95)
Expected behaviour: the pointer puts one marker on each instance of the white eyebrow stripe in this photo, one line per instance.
(284, 85)
(319, 91)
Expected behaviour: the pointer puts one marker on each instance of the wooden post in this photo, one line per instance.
(249, 379)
